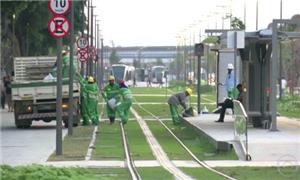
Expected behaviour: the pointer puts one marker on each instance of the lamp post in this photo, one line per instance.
(13, 36)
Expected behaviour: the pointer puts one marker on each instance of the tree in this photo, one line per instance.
(159, 62)
(237, 24)
(114, 57)
(31, 36)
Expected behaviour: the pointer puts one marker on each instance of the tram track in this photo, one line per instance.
(129, 161)
(200, 162)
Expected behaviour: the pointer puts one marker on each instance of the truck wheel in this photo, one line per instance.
(20, 123)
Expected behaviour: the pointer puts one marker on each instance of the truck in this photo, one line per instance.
(34, 97)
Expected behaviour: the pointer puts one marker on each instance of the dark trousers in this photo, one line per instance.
(3, 100)
(226, 104)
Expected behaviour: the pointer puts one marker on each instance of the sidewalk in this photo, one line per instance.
(264, 145)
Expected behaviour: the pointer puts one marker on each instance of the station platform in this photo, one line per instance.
(263, 144)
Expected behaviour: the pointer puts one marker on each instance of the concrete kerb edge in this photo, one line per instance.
(219, 145)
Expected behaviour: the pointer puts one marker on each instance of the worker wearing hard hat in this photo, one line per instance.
(89, 101)
(178, 99)
(92, 100)
(83, 100)
(229, 81)
(125, 102)
(110, 94)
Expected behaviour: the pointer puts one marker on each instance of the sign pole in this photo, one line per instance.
(71, 106)
(59, 100)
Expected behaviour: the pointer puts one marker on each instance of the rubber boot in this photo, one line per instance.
(112, 120)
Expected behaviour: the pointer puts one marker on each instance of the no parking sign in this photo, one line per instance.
(59, 26)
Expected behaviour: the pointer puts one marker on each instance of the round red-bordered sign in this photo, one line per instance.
(59, 7)
(83, 55)
(82, 42)
(59, 26)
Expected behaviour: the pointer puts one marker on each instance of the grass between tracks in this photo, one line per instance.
(138, 145)
(75, 146)
(198, 145)
(108, 145)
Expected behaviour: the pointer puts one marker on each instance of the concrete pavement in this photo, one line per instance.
(26, 146)
(264, 145)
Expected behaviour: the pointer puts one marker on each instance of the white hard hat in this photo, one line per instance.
(230, 66)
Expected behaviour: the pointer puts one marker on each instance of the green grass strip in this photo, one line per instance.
(139, 147)
(199, 145)
(173, 149)
(148, 90)
(108, 143)
(39, 172)
(151, 173)
(75, 147)
(262, 173)
(201, 173)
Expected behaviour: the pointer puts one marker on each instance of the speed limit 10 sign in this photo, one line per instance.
(82, 42)
(59, 7)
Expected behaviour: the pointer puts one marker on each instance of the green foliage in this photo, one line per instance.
(211, 40)
(159, 62)
(39, 172)
(237, 24)
(114, 57)
(289, 106)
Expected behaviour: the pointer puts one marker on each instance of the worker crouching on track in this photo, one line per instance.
(175, 100)
(125, 102)
(111, 91)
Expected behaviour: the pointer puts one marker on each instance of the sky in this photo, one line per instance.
(162, 22)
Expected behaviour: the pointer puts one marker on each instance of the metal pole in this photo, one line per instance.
(256, 14)
(207, 61)
(199, 84)
(102, 68)
(234, 58)
(71, 75)
(88, 37)
(273, 78)
(97, 57)
(59, 100)
(92, 40)
(280, 57)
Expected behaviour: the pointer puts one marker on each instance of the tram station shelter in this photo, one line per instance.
(256, 67)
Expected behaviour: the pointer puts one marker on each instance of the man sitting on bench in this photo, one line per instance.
(228, 103)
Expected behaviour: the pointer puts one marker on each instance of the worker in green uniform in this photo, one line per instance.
(175, 100)
(92, 100)
(83, 100)
(111, 91)
(125, 102)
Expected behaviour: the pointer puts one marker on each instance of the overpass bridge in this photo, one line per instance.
(143, 52)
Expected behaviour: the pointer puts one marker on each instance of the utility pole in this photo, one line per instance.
(92, 42)
(71, 75)
(102, 68)
(256, 14)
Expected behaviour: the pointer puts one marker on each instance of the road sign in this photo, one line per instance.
(82, 55)
(92, 52)
(82, 42)
(59, 26)
(59, 7)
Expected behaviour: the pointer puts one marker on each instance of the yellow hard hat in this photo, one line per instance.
(189, 91)
(90, 79)
(111, 78)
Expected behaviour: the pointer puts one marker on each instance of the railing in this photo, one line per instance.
(240, 127)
